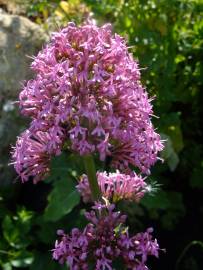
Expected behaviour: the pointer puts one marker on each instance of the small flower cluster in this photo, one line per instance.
(103, 241)
(87, 95)
(33, 153)
(115, 187)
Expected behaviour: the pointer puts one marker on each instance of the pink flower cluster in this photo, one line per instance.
(115, 187)
(87, 95)
(33, 151)
(104, 240)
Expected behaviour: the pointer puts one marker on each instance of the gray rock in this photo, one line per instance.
(19, 38)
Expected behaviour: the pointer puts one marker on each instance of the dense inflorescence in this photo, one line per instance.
(115, 186)
(104, 240)
(33, 153)
(87, 95)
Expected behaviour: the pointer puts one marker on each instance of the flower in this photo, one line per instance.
(103, 241)
(72, 249)
(88, 85)
(115, 186)
(33, 151)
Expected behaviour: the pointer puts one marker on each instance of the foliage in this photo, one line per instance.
(63, 197)
(167, 38)
(27, 234)
(55, 13)
(13, 247)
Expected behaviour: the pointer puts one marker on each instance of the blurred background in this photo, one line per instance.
(166, 36)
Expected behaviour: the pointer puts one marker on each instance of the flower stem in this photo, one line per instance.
(92, 178)
(185, 250)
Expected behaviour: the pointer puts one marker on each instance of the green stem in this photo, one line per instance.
(193, 243)
(92, 178)
(7, 252)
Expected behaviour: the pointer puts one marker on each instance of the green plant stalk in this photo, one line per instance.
(185, 250)
(92, 178)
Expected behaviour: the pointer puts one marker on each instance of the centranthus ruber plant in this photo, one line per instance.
(87, 97)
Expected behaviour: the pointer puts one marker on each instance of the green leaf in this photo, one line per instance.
(7, 266)
(10, 232)
(23, 220)
(14, 226)
(64, 196)
(59, 166)
(173, 161)
(62, 199)
(24, 259)
(169, 154)
(179, 58)
(65, 164)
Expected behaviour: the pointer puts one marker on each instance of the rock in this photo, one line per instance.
(19, 38)
(14, 6)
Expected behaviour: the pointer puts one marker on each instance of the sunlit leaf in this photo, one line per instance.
(61, 200)
(24, 259)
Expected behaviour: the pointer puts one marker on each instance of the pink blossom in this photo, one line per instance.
(88, 85)
(104, 240)
(115, 186)
(33, 151)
